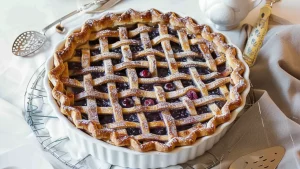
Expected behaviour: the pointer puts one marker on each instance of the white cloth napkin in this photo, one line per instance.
(18, 145)
(14, 131)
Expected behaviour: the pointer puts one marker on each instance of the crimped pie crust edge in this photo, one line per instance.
(240, 84)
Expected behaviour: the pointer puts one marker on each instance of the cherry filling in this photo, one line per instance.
(136, 48)
(214, 55)
(112, 40)
(105, 119)
(148, 87)
(153, 116)
(185, 127)
(186, 83)
(131, 117)
(220, 104)
(176, 47)
(77, 90)
(148, 102)
(136, 37)
(116, 50)
(169, 87)
(163, 72)
(133, 131)
(183, 59)
(158, 47)
(80, 102)
(78, 52)
(95, 52)
(215, 91)
(173, 100)
(103, 103)
(159, 131)
(121, 73)
(144, 58)
(198, 59)
(160, 59)
(122, 86)
(84, 116)
(74, 65)
(77, 77)
(221, 67)
(195, 48)
(208, 81)
(116, 61)
(202, 109)
(145, 73)
(101, 88)
(184, 70)
(153, 34)
(127, 102)
(203, 71)
(179, 114)
(172, 32)
(93, 42)
(97, 74)
(98, 63)
(192, 95)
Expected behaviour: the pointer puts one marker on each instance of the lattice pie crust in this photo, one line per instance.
(98, 69)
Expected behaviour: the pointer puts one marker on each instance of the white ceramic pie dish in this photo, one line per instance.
(125, 157)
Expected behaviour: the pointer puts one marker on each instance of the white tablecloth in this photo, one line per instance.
(18, 16)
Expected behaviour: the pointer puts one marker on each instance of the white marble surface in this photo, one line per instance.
(17, 16)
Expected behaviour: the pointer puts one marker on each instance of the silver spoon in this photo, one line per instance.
(30, 41)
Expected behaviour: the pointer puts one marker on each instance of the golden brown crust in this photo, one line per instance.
(94, 29)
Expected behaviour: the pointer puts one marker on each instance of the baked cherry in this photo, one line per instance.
(169, 87)
(149, 102)
(145, 73)
(192, 95)
(127, 102)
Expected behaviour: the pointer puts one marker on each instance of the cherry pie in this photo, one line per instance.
(147, 80)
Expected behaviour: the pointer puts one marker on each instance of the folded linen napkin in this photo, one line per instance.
(13, 129)
(18, 145)
(277, 69)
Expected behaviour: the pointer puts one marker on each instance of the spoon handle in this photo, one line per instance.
(59, 20)
(257, 35)
(84, 7)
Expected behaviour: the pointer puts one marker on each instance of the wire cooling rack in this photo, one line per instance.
(36, 112)
(35, 104)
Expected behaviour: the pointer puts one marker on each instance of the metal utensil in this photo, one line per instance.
(266, 158)
(107, 5)
(258, 33)
(30, 41)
